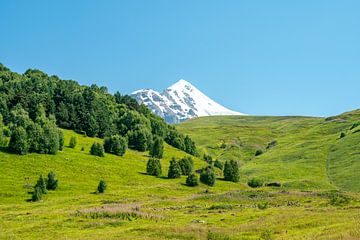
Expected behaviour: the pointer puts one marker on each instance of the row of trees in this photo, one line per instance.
(185, 166)
(90, 110)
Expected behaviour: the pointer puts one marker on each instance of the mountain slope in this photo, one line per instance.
(179, 102)
(308, 152)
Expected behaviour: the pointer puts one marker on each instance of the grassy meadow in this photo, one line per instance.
(319, 197)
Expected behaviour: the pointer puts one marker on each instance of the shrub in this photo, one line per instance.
(254, 183)
(231, 171)
(262, 206)
(207, 158)
(41, 183)
(157, 148)
(73, 141)
(208, 176)
(19, 141)
(97, 149)
(186, 164)
(342, 135)
(354, 125)
(102, 186)
(218, 164)
(52, 183)
(61, 140)
(174, 169)
(258, 152)
(116, 145)
(271, 144)
(192, 180)
(37, 194)
(153, 167)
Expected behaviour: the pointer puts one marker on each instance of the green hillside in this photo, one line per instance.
(139, 206)
(307, 152)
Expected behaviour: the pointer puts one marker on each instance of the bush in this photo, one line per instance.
(208, 176)
(116, 145)
(52, 183)
(192, 180)
(157, 148)
(41, 184)
(97, 149)
(218, 164)
(207, 158)
(342, 135)
(153, 167)
(19, 141)
(231, 171)
(73, 141)
(102, 186)
(37, 194)
(258, 152)
(262, 206)
(174, 169)
(186, 164)
(254, 183)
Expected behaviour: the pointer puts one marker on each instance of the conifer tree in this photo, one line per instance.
(153, 167)
(157, 148)
(52, 183)
(174, 169)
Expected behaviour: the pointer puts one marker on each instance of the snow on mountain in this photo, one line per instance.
(179, 102)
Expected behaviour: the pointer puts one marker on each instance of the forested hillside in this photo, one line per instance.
(33, 104)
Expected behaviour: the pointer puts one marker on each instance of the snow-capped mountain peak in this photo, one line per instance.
(179, 102)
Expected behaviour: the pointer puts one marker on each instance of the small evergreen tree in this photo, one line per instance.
(73, 141)
(115, 144)
(37, 194)
(207, 158)
(186, 164)
(231, 171)
(102, 186)
(192, 180)
(157, 148)
(19, 141)
(153, 167)
(97, 149)
(52, 183)
(61, 140)
(41, 183)
(174, 169)
(208, 176)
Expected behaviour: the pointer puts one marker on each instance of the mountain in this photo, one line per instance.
(179, 102)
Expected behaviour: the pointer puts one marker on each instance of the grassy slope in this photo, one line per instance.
(168, 208)
(307, 154)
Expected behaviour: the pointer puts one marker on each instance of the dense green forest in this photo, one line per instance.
(34, 104)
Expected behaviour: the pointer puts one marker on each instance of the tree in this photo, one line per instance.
(174, 169)
(208, 176)
(207, 158)
(157, 148)
(186, 164)
(1, 130)
(41, 183)
(153, 167)
(61, 140)
(37, 194)
(73, 141)
(97, 149)
(140, 139)
(115, 144)
(231, 171)
(52, 183)
(19, 141)
(102, 186)
(192, 180)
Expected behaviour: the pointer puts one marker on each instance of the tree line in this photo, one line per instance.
(34, 104)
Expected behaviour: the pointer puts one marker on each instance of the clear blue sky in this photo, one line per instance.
(258, 57)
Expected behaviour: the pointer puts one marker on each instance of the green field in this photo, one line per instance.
(319, 197)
